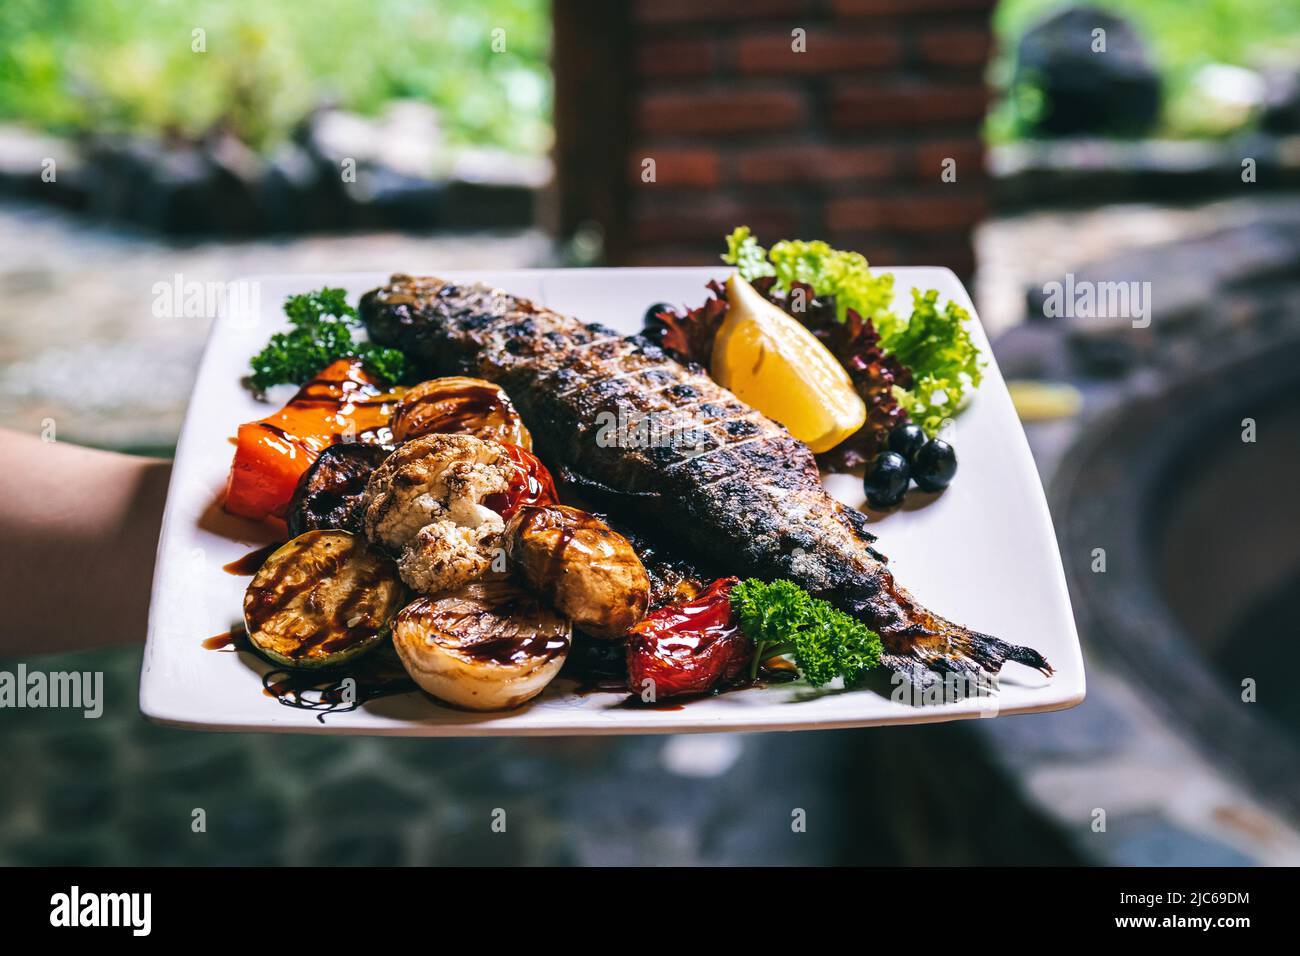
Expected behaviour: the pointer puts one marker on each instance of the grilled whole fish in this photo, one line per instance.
(715, 473)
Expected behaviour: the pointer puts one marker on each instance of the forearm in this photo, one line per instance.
(79, 529)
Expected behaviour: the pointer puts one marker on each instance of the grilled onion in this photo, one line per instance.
(458, 405)
(490, 646)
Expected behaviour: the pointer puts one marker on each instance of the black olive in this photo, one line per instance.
(934, 465)
(886, 480)
(655, 309)
(906, 440)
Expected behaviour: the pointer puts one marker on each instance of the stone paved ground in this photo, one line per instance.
(119, 791)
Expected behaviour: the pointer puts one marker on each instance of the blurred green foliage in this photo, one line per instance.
(73, 65)
(1183, 35)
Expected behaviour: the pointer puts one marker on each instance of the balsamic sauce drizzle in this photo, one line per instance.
(324, 690)
(327, 692)
(252, 562)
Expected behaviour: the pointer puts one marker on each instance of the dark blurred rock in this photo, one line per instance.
(180, 200)
(296, 195)
(339, 171)
(237, 184)
(1281, 113)
(383, 198)
(470, 205)
(178, 188)
(24, 156)
(1115, 91)
(493, 189)
(120, 176)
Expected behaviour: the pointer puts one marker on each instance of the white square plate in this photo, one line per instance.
(982, 554)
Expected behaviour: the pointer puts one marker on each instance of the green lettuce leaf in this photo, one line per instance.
(831, 272)
(936, 345)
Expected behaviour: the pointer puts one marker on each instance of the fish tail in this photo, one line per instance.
(926, 649)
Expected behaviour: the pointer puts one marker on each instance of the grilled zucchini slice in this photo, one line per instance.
(322, 599)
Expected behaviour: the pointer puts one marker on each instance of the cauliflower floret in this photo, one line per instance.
(424, 505)
(445, 555)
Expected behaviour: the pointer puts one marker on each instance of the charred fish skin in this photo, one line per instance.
(732, 484)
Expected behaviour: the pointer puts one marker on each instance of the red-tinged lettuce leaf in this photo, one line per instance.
(688, 336)
(874, 373)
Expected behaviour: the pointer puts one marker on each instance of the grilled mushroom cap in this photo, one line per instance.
(459, 405)
(589, 571)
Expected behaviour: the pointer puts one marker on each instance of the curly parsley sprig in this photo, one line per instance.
(782, 618)
(322, 323)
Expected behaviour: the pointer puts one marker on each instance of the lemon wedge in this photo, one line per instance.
(773, 363)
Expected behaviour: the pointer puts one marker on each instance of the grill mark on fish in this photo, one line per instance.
(622, 375)
(711, 451)
(752, 503)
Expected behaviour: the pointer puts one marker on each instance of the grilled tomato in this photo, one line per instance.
(341, 404)
(458, 405)
(322, 599)
(489, 646)
(530, 484)
(584, 567)
(688, 648)
(772, 362)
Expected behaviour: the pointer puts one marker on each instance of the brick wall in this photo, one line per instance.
(845, 141)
